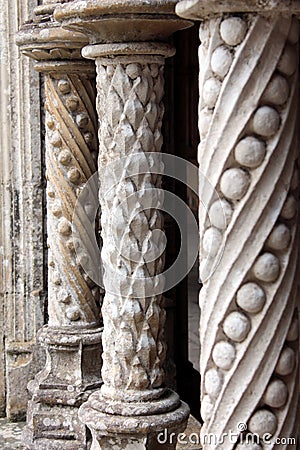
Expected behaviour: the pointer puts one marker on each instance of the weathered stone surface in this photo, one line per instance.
(10, 435)
(248, 152)
(22, 257)
(23, 362)
(52, 427)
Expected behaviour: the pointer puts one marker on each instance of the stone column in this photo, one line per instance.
(248, 123)
(72, 338)
(133, 406)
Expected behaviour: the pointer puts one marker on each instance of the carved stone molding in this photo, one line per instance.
(248, 112)
(72, 338)
(133, 405)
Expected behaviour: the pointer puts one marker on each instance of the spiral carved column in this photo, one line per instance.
(248, 118)
(72, 338)
(133, 405)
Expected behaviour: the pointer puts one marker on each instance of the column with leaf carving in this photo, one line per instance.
(133, 405)
(72, 338)
(248, 115)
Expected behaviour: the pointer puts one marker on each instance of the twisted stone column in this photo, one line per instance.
(133, 406)
(248, 113)
(72, 338)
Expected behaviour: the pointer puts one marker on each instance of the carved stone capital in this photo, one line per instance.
(48, 41)
(122, 21)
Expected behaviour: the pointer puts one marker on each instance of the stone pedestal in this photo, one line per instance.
(70, 375)
(72, 338)
(248, 116)
(133, 407)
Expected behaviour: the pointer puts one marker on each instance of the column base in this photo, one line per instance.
(149, 426)
(71, 374)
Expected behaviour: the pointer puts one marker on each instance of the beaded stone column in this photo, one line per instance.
(72, 338)
(248, 118)
(133, 409)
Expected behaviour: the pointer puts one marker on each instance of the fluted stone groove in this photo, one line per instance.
(133, 405)
(72, 338)
(248, 112)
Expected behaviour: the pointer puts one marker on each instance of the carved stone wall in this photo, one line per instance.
(22, 277)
